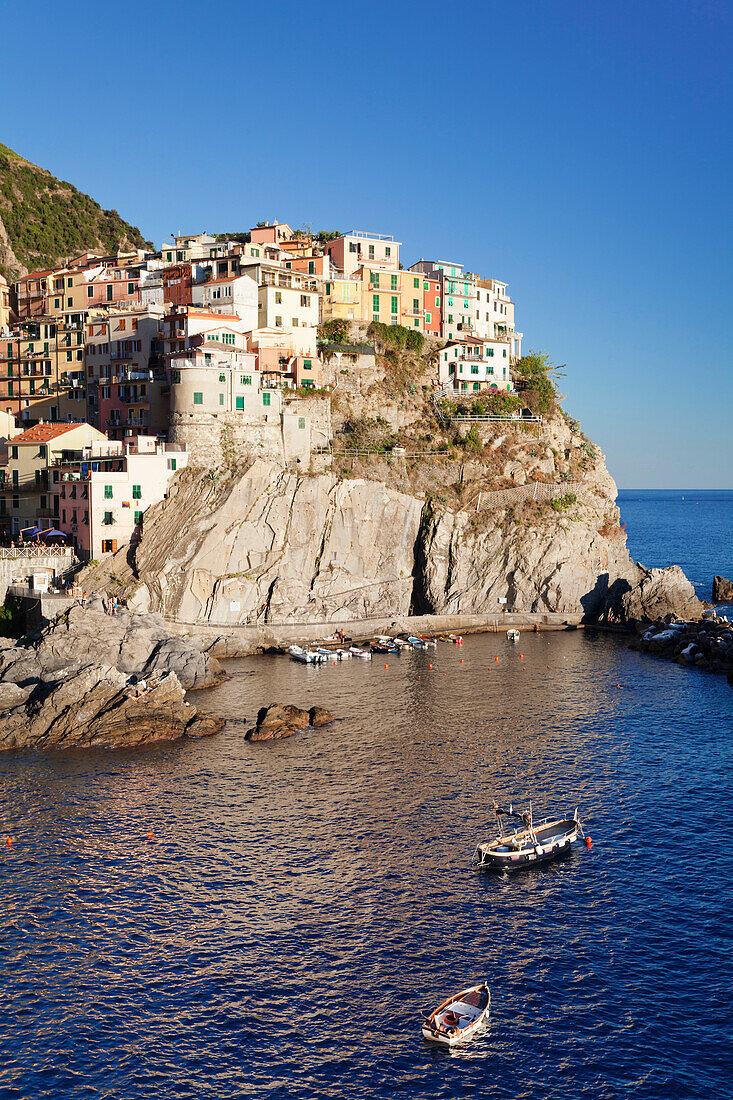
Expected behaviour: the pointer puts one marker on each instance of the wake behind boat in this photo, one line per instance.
(528, 843)
(459, 1017)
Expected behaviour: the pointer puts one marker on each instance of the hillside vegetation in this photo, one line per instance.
(44, 220)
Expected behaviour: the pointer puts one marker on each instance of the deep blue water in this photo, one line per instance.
(301, 900)
(692, 528)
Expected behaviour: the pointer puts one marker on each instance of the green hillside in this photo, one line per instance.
(44, 220)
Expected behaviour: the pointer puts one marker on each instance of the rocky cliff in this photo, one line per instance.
(423, 510)
(270, 545)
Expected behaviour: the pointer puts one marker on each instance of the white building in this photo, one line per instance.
(233, 294)
(474, 365)
(458, 294)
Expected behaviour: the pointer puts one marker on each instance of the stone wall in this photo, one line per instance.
(21, 567)
(226, 439)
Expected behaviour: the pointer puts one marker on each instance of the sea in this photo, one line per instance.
(221, 919)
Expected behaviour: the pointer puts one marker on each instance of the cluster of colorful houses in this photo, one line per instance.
(115, 370)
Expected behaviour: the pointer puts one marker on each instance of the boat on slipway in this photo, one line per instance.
(529, 843)
(305, 656)
(459, 1017)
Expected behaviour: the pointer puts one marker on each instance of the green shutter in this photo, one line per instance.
(198, 398)
(394, 305)
(375, 303)
(265, 398)
(239, 404)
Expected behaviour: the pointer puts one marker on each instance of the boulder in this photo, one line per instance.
(722, 590)
(654, 594)
(97, 705)
(282, 720)
(318, 717)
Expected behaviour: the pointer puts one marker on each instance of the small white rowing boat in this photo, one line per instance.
(459, 1017)
(364, 653)
(513, 635)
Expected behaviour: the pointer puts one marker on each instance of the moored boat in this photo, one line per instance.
(305, 656)
(513, 635)
(459, 1017)
(383, 645)
(529, 843)
(328, 654)
(356, 651)
(417, 643)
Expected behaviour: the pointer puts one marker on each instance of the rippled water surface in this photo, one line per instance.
(301, 900)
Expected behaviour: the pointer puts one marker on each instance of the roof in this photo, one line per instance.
(43, 433)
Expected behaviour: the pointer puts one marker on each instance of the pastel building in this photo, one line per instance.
(216, 379)
(357, 247)
(458, 296)
(229, 294)
(104, 496)
(474, 365)
(42, 371)
(31, 492)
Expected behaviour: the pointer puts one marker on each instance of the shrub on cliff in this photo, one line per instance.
(396, 337)
(334, 331)
(535, 369)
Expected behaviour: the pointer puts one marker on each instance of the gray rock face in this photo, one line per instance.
(138, 644)
(96, 705)
(653, 594)
(722, 590)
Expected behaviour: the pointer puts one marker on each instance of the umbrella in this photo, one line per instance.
(53, 532)
(29, 531)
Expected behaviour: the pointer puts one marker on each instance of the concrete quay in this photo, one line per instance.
(246, 639)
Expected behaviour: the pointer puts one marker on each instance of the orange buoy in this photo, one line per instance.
(386, 666)
(523, 669)
(461, 660)
(150, 835)
(588, 842)
(521, 656)
(496, 658)
(8, 841)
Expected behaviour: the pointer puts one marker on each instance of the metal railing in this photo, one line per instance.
(13, 552)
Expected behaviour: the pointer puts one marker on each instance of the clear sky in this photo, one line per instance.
(580, 150)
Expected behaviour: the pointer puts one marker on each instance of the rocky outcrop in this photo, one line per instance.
(652, 594)
(705, 644)
(133, 644)
(267, 545)
(282, 720)
(722, 590)
(97, 705)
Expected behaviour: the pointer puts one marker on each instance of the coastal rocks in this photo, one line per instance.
(653, 594)
(134, 644)
(282, 720)
(706, 643)
(722, 590)
(97, 705)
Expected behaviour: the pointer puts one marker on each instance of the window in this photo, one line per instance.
(57, 303)
(307, 364)
(415, 305)
(175, 376)
(474, 368)
(15, 477)
(245, 379)
(138, 518)
(172, 463)
(221, 398)
(239, 404)
(69, 282)
(393, 282)
(110, 292)
(130, 288)
(375, 303)
(69, 302)
(278, 322)
(265, 398)
(90, 292)
(13, 452)
(42, 452)
(222, 378)
(371, 251)
(490, 352)
(108, 492)
(198, 398)
(137, 492)
(450, 301)
(394, 305)
(428, 318)
(437, 302)
(305, 300)
(388, 251)
(328, 289)
(504, 353)
(416, 283)
(375, 278)
(278, 298)
(311, 267)
(108, 519)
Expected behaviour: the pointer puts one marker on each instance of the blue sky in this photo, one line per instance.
(579, 150)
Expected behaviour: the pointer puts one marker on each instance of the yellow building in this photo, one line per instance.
(376, 294)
